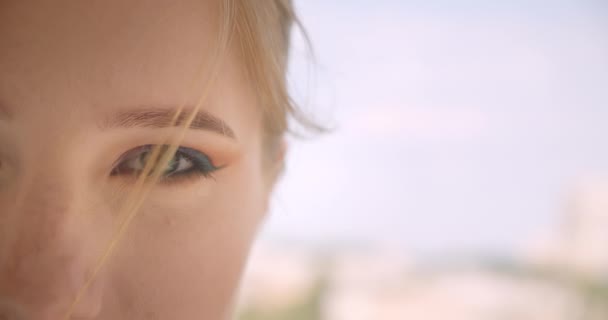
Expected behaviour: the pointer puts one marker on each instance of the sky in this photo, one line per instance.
(457, 126)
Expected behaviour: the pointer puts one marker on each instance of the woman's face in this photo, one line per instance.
(86, 87)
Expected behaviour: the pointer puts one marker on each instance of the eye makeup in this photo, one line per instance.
(186, 164)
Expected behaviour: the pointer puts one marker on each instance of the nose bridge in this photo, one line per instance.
(45, 258)
(44, 209)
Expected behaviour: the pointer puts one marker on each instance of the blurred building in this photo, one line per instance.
(580, 244)
(279, 277)
(585, 234)
(462, 295)
(563, 278)
(370, 286)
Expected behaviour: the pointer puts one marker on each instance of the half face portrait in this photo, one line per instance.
(139, 144)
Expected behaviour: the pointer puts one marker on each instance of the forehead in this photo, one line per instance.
(89, 52)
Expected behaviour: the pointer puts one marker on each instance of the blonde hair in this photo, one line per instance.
(261, 29)
(264, 28)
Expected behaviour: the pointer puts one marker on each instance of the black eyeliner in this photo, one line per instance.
(201, 164)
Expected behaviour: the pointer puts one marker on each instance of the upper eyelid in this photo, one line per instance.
(125, 154)
(150, 147)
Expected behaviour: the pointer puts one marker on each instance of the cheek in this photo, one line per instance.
(183, 255)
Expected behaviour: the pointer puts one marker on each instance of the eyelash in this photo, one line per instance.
(200, 165)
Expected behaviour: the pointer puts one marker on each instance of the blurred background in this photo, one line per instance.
(466, 175)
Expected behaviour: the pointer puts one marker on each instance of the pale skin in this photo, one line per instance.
(70, 70)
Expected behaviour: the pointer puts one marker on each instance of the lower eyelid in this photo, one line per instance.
(186, 179)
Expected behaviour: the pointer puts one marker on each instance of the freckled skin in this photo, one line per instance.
(64, 66)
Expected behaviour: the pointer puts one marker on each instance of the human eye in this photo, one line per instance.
(185, 163)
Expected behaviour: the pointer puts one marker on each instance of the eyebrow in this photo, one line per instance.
(163, 118)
